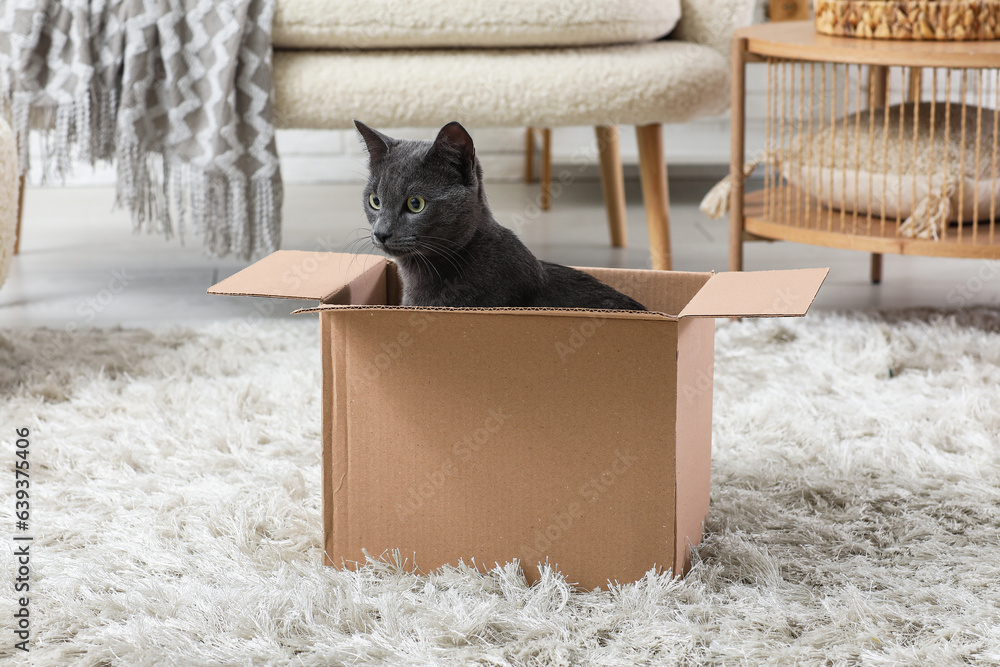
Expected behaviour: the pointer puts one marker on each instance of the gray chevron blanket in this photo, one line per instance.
(177, 93)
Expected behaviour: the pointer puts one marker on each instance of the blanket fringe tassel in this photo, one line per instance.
(231, 214)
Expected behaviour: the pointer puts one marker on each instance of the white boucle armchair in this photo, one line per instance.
(518, 63)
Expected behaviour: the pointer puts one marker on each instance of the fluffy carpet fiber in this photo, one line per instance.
(176, 511)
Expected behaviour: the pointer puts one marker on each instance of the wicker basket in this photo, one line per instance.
(910, 19)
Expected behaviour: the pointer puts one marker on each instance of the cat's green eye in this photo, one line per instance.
(375, 202)
(415, 204)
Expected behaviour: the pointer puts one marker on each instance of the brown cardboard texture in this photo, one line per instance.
(580, 437)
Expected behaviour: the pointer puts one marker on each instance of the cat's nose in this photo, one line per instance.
(382, 237)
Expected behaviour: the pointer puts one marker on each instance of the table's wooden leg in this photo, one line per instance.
(880, 75)
(876, 268)
(736, 154)
(915, 84)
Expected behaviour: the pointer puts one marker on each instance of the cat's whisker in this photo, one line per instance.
(444, 253)
(435, 242)
(358, 244)
(452, 255)
(435, 245)
(444, 239)
(361, 234)
(356, 249)
(429, 265)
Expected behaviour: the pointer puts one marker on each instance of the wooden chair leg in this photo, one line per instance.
(529, 155)
(656, 197)
(876, 268)
(546, 169)
(20, 214)
(613, 183)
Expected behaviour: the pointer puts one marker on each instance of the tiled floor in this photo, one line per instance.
(80, 265)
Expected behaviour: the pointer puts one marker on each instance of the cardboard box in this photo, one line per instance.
(580, 437)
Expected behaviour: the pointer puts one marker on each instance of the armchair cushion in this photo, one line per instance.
(383, 24)
(634, 84)
(712, 22)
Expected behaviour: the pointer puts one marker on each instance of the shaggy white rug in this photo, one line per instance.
(175, 510)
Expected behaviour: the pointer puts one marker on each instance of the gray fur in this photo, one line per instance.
(454, 252)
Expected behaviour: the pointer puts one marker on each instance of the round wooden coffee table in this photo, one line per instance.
(837, 88)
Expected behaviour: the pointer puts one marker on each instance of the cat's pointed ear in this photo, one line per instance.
(377, 143)
(455, 144)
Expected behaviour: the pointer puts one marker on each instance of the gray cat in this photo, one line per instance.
(427, 207)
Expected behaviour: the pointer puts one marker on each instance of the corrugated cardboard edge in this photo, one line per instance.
(693, 426)
(560, 312)
(300, 274)
(336, 510)
(783, 293)
(326, 336)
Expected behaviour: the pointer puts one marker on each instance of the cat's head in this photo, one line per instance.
(422, 197)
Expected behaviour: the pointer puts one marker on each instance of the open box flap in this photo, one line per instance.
(299, 274)
(786, 293)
